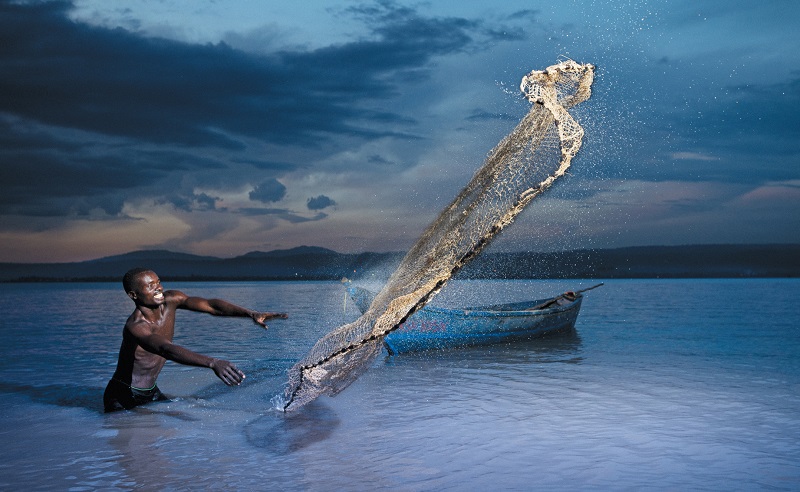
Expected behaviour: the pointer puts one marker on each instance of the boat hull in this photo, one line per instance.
(434, 328)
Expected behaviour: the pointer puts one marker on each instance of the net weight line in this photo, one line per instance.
(522, 166)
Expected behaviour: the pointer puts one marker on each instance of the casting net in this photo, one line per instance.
(525, 163)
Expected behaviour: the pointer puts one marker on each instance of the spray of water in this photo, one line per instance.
(522, 166)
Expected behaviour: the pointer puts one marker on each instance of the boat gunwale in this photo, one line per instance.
(491, 310)
(484, 311)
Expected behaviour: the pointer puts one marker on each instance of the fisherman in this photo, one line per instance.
(147, 340)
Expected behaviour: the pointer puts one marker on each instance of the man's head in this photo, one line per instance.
(143, 286)
(129, 279)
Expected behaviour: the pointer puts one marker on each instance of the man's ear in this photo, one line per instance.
(132, 295)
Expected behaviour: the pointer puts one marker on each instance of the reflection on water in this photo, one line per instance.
(64, 395)
(286, 433)
(141, 458)
(563, 346)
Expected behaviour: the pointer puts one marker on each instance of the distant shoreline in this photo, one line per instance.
(314, 263)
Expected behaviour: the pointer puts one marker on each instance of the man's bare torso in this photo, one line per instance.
(138, 367)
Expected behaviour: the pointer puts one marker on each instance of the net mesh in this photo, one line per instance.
(525, 163)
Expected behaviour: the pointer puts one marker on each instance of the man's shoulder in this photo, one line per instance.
(136, 325)
(175, 296)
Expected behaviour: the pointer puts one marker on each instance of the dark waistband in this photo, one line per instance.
(136, 388)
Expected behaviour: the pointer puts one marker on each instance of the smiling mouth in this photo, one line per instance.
(158, 295)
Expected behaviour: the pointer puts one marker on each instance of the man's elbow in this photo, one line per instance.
(165, 350)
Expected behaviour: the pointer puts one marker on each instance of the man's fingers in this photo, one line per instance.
(235, 375)
(261, 318)
(231, 375)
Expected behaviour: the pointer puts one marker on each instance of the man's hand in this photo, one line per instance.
(261, 318)
(227, 372)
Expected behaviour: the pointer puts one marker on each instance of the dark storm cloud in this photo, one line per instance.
(320, 202)
(44, 183)
(47, 176)
(114, 82)
(193, 201)
(79, 102)
(16, 135)
(267, 165)
(269, 191)
(412, 39)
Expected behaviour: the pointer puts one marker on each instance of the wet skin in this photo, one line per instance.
(149, 330)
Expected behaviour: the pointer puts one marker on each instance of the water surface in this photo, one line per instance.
(666, 384)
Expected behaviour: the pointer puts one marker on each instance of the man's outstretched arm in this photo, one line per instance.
(225, 370)
(220, 307)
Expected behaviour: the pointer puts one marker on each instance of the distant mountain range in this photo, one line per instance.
(314, 263)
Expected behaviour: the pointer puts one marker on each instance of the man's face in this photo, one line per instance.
(147, 290)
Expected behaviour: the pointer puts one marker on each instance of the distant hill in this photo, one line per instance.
(302, 263)
(314, 263)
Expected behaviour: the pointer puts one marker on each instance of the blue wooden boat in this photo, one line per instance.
(439, 328)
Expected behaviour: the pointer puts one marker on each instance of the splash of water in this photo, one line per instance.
(522, 166)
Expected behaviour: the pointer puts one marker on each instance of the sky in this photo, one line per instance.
(229, 126)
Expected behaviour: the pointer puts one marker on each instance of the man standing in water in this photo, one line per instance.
(147, 340)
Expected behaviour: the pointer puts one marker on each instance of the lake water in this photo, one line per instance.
(666, 385)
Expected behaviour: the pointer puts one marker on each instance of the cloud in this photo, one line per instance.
(267, 165)
(525, 14)
(95, 116)
(269, 191)
(281, 213)
(379, 160)
(772, 196)
(113, 123)
(320, 202)
(45, 172)
(192, 202)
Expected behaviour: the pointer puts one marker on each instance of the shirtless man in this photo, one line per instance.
(147, 340)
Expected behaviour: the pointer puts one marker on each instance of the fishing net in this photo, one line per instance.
(524, 164)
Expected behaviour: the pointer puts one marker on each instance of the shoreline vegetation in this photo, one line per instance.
(315, 263)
